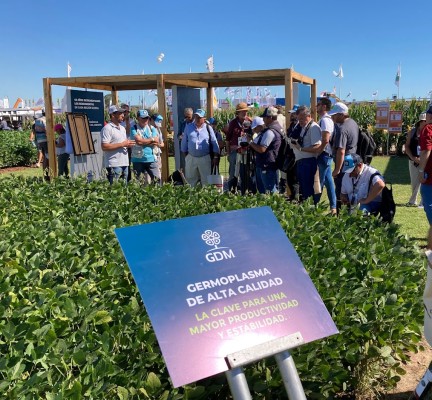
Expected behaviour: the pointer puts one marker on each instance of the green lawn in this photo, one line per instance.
(395, 169)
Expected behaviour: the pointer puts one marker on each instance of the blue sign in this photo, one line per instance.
(220, 283)
(90, 103)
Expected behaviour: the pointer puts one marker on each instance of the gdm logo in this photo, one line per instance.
(216, 253)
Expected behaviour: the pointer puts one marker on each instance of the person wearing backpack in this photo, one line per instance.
(266, 146)
(362, 185)
(344, 142)
(412, 150)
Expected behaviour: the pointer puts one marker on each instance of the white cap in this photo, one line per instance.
(338, 108)
(113, 109)
(257, 121)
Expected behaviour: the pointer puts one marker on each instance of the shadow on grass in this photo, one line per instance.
(397, 171)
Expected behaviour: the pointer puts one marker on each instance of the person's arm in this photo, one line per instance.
(60, 142)
(344, 199)
(257, 147)
(325, 140)
(115, 146)
(407, 146)
(340, 155)
(374, 191)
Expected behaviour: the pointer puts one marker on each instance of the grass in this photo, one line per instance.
(412, 220)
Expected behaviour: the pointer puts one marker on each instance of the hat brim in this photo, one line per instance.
(348, 170)
(242, 109)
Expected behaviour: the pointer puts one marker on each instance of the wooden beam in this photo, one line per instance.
(186, 82)
(53, 172)
(162, 109)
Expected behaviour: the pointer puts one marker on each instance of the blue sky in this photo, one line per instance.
(368, 38)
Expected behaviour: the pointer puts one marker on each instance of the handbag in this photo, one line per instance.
(215, 179)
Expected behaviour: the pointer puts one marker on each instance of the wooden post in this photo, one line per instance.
(288, 94)
(53, 171)
(162, 109)
(114, 97)
(209, 94)
(314, 100)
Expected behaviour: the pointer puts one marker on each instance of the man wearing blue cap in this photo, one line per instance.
(357, 187)
(198, 143)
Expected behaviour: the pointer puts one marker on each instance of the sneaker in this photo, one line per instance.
(411, 204)
(37, 165)
(420, 206)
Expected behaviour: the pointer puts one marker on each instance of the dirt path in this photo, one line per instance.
(414, 371)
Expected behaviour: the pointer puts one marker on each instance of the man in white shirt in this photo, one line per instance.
(325, 158)
(357, 186)
(305, 150)
(115, 145)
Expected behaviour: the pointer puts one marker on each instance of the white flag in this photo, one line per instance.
(398, 76)
(69, 69)
(339, 74)
(210, 64)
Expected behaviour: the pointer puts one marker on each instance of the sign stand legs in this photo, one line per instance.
(238, 384)
(277, 348)
(290, 376)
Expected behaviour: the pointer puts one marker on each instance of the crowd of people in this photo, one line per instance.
(323, 154)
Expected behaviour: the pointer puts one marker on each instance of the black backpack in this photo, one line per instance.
(387, 209)
(283, 157)
(366, 146)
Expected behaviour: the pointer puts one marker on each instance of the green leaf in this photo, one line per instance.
(122, 393)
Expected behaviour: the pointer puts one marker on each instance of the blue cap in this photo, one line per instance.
(429, 110)
(211, 121)
(295, 108)
(157, 118)
(143, 114)
(350, 162)
(200, 112)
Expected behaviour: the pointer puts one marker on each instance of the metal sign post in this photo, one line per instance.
(278, 348)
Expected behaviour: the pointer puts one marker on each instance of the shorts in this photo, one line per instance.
(43, 147)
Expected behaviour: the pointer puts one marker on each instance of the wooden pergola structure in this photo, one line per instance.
(160, 82)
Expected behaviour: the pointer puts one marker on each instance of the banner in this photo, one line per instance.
(220, 283)
(382, 115)
(395, 122)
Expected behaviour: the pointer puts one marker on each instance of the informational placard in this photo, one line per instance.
(90, 103)
(395, 122)
(382, 115)
(221, 283)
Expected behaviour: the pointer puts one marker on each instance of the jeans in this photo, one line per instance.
(426, 194)
(62, 162)
(232, 159)
(151, 168)
(325, 173)
(116, 173)
(372, 207)
(306, 170)
(266, 180)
